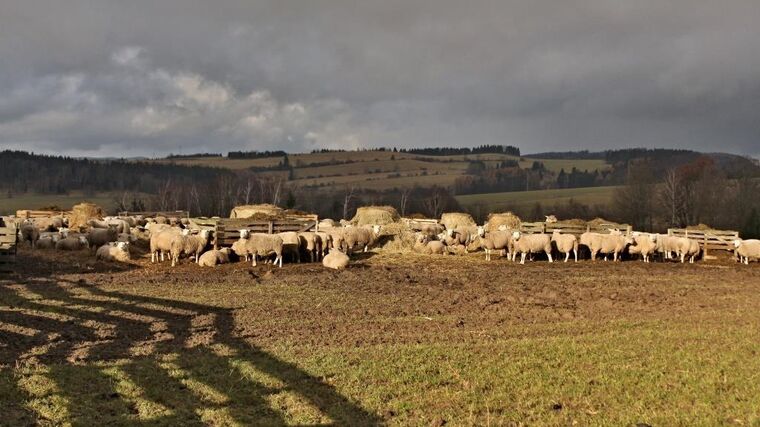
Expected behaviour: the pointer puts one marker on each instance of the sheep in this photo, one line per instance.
(747, 249)
(113, 251)
(667, 245)
(260, 244)
(98, 237)
(72, 243)
(311, 243)
(364, 237)
(612, 243)
(687, 248)
(550, 219)
(494, 240)
(49, 224)
(326, 240)
(463, 235)
(190, 245)
(565, 243)
(48, 242)
(431, 229)
(29, 233)
(424, 245)
(336, 260)
(161, 220)
(291, 244)
(161, 243)
(644, 244)
(215, 256)
(239, 247)
(531, 243)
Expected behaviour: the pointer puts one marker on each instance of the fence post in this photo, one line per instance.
(704, 246)
(271, 227)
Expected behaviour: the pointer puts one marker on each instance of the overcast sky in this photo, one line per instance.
(129, 78)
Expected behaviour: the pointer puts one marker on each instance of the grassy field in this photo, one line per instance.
(498, 202)
(64, 201)
(394, 339)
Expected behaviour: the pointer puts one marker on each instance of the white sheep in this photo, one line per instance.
(747, 249)
(161, 242)
(425, 245)
(312, 243)
(97, 237)
(214, 257)
(188, 244)
(264, 245)
(531, 243)
(29, 233)
(326, 242)
(72, 243)
(644, 244)
(565, 243)
(688, 248)
(336, 260)
(612, 243)
(493, 241)
(291, 244)
(48, 242)
(363, 237)
(114, 251)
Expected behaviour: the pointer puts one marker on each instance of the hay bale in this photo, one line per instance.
(573, 221)
(700, 227)
(375, 215)
(396, 237)
(248, 211)
(452, 220)
(495, 220)
(82, 213)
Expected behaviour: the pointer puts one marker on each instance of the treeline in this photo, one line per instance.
(453, 151)
(190, 156)
(255, 154)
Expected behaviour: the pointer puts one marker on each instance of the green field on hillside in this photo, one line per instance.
(64, 201)
(523, 199)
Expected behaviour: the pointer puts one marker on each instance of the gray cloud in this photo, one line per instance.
(145, 77)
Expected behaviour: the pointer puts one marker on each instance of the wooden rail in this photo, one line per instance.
(32, 214)
(153, 214)
(576, 229)
(227, 230)
(708, 239)
(8, 247)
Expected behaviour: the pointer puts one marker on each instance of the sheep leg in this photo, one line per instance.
(280, 257)
(549, 254)
(522, 258)
(575, 252)
(567, 256)
(254, 260)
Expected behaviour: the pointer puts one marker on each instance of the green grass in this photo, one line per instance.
(494, 202)
(64, 201)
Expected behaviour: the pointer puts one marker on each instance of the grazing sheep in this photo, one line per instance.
(291, 244)
(72, 243)
(190, 245)
(336, 260)
(311, 243)
(29, 233)
(565, 243)
(161, 243)
(326, 242)
(747, 249)
(98, 237)
(214, 257)
(493, 241)
(531, 243)
(264, 245)
(363, 237)
(114, 251)
(644, 244)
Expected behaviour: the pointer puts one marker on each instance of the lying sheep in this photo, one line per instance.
(161, 243)
(29, 233)
(493, 241)
(565, 243)
(644, 244)
(97, 237)
(191, 245)
(264, 245)
(425, 245)
(747, 249)
(363, 237)
(114, 251)
(336, 260)
(291, 244)
(215, 257)
(311, 243)
(531, 243)
(72, 243)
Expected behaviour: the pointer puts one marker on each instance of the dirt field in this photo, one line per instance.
(395, 339)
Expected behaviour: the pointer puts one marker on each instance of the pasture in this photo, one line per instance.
(499, 202)
(64, 201)
(394, 339)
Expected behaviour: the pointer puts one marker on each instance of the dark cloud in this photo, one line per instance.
(152, 77)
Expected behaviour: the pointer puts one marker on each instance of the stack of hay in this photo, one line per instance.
(510, 220)
(396, 237)
(452, 220)
(82, 213)
(263, 212)
(375, 215)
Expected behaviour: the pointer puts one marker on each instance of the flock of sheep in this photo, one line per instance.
(172, 239)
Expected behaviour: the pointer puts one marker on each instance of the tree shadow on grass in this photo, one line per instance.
(87, 356)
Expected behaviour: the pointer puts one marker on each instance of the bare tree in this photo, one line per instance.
(434, 203)
(347, 198)
(671, 195)
(405, 193)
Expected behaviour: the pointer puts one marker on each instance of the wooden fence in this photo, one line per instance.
(32, 214)
(8, 246)
(708, 239)
(227, 230)
(153, 214)
(576, 229)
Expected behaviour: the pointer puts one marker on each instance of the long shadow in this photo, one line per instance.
(72, 327)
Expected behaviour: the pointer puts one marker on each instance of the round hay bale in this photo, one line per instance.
(248, 211)
(452, 220)
(396, 237)
(84, 212)
(375, 215)
(495, 220)
(328, 223)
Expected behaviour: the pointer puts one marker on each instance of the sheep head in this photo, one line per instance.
(244, 233)
(516, 235)
(737, 243)
(481, 231)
